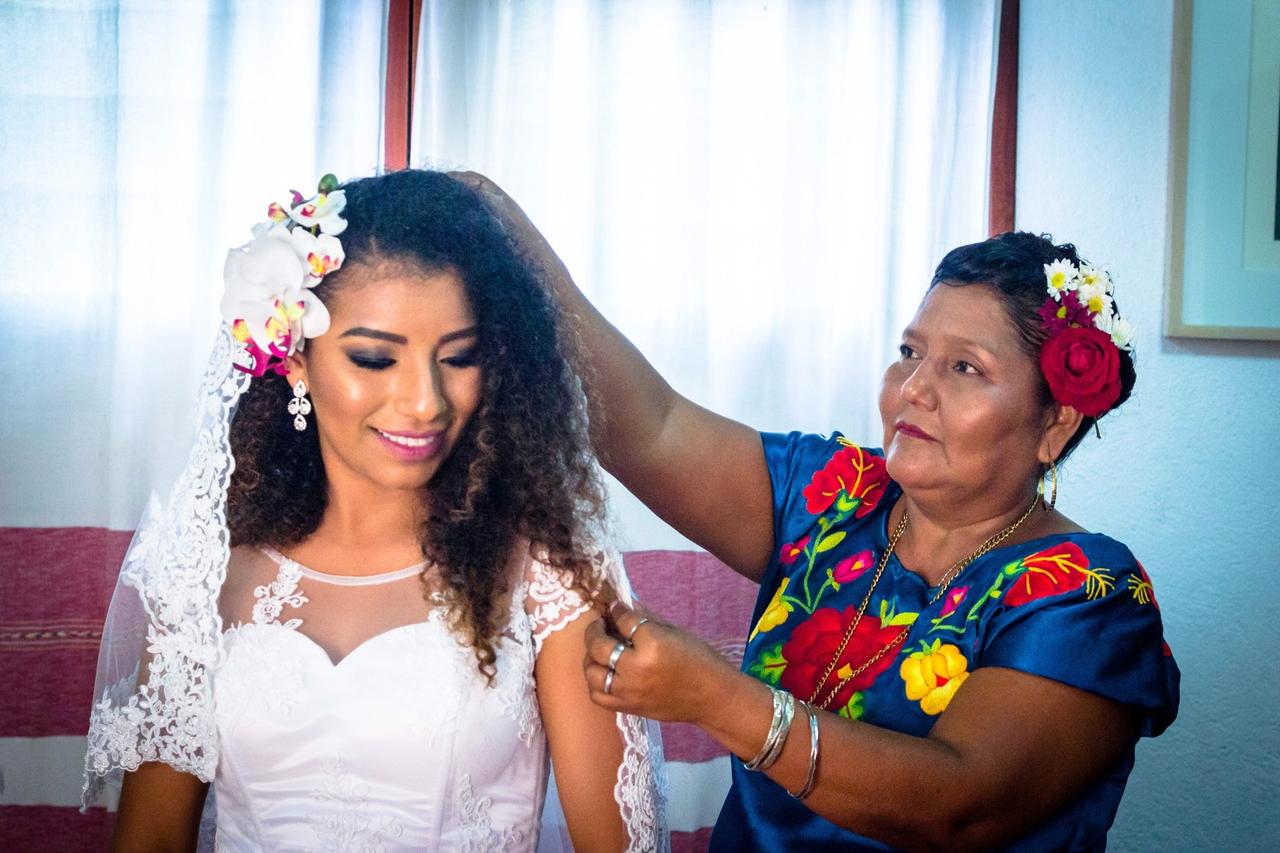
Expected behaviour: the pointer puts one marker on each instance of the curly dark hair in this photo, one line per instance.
(1012, 264)
(522, 466)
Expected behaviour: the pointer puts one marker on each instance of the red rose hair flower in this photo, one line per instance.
(1082, 367)
(1081, 358)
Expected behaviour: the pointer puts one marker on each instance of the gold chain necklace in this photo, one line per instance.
(950, 575)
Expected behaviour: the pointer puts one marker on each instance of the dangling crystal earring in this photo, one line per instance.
(1052, 499)
(300, 406)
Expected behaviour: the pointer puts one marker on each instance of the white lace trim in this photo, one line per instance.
(515, 687)
(175, 568)
(550, 602)
(475, 826)
(282, 592)
(641, 789)
(345, 825)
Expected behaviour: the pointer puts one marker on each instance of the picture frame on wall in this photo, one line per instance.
(1223, 276)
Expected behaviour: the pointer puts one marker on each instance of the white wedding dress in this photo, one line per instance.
(331, 712)
(350, 717)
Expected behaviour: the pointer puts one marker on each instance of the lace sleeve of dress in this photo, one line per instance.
(551, 601)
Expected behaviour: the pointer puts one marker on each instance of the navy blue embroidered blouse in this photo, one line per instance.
(1076, 608)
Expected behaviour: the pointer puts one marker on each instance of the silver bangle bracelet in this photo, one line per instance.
(783, 710)
(774, 724)
(813, 755)
(788, 714)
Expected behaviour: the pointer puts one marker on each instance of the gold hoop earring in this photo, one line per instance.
(1052, 499)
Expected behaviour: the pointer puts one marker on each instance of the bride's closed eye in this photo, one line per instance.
(370, 360)
(466, 358)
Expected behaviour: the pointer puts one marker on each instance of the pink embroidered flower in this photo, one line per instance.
(792, 551)
(851, 568)
(954, 599)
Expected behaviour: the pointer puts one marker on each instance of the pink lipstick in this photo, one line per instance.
(913, 431)
(412, 446)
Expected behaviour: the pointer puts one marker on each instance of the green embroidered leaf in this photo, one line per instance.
(903, 618)
(844, 503)
(1012, 569)
(770, 665)
(831, 541)
(855, 709)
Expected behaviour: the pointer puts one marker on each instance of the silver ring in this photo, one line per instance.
(636, 627)
(614, 655)
(608, 681)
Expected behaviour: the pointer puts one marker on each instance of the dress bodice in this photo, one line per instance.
(393, 741)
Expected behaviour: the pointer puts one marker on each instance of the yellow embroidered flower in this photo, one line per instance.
(775, 614)
(933, 675)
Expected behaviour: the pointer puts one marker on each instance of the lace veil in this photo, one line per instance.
(163, 639)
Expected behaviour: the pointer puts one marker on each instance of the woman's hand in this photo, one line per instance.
(663, 672)
(530, 243)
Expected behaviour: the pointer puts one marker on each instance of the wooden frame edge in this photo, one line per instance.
(1179, 119)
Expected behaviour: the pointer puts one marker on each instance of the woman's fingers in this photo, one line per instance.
(599, 643)
(627, 621)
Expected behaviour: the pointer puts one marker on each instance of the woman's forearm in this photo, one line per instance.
(876, 782)
(1011, 750)
(630, 401)
(702, 473)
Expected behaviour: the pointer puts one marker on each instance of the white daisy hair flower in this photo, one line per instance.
(1061, 276)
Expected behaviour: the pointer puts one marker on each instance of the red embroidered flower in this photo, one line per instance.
(1082, 367)
(814, 642)
(851, 568)
(791, 551)
(1053, 571)
(853, 472)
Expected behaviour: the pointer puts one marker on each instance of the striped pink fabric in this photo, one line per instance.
(56, 583)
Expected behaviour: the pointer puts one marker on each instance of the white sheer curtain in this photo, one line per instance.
(755, 193)
(138, 142)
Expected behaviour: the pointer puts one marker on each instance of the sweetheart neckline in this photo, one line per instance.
(432, 618)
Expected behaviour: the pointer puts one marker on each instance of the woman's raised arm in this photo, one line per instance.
(702, 473)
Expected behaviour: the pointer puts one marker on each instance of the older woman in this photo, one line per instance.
(938, 658)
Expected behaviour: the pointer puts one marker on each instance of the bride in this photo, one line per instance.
(359, 617)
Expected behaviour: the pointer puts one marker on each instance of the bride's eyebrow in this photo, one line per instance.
(363, 332)
(469, 332)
